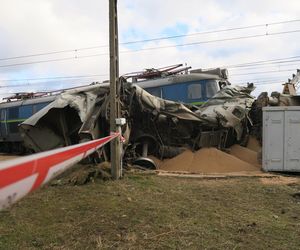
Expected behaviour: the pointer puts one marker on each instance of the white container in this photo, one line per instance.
(281, 139)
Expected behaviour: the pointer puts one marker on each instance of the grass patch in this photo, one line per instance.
(146, 212)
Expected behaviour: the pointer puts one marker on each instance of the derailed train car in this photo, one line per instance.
(154, 125)
(12, 113)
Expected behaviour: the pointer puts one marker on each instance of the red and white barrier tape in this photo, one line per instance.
(20, 176)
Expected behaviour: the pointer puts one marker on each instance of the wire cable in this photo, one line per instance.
(152, 48)
(152, 39)
(211, 32)
(54, 77)
(212, 41)
(272, 65)
(62, 81)
(263, 72)
(262, 79)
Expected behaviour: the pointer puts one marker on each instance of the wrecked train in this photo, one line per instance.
(173, 83)
(154, 125)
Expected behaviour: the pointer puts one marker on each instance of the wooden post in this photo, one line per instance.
(114, 89)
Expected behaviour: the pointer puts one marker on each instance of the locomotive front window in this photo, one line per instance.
(211, 88)
(194, 91)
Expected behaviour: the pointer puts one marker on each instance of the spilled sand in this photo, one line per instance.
(245, 154)
(207, 160)
(253, 144)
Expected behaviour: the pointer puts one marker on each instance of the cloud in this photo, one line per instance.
(36, 26)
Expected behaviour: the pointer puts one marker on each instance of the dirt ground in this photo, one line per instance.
(157, 212)
(4, 157)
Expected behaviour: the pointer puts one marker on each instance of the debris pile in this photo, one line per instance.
(207, 160)
(264, 100)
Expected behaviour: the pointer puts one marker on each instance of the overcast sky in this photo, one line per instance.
(39, 26)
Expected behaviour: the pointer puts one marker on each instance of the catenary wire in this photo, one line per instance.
(153, 48)
(151, 39)
(263, 72)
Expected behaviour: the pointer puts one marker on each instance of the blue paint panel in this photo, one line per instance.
(11, 117)
(39, 106)
(3, 126)
(176, 92)
(13, 113)
(179, 91)
(155, 91)
(25, 111)
(2, 114)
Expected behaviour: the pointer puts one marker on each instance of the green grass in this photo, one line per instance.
(152, 212)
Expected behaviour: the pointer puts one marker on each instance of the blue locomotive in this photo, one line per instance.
(180, 85)
(12, 113)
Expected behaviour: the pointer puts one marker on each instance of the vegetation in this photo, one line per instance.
(152, 212)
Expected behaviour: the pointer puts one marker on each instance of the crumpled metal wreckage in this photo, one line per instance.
(264, 100)
(154, 125)
(229, 108)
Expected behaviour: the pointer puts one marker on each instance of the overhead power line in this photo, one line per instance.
(68, 78)
(153, 48)
(80, 85)
(213, 31)
(273, 64)
(260, 62)
(247, 64)
(52, 60)
(152, 39)
(48, 53)
(52, 78)
(263, 72)
(39, 83)
(213, 41)
(270, 65)
(265, 81)
(274, 78)
(272, 61)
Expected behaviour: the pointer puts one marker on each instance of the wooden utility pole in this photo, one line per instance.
(115, 147)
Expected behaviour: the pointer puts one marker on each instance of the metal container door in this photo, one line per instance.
(292, 141)
(273, 140)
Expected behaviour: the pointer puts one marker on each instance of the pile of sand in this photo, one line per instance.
(206, 160)
(245, 154)
(253, 144)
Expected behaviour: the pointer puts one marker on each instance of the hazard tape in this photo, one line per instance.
(21, 176)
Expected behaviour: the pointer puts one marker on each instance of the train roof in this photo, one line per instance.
(27, 101)
(169, 80)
